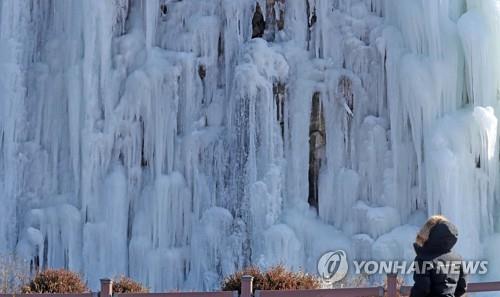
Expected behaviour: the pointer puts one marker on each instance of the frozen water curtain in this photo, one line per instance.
(177, 141)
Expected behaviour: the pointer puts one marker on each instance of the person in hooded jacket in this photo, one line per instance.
(433, 247)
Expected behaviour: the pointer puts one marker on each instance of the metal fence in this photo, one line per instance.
(391, 289)
(51, 295)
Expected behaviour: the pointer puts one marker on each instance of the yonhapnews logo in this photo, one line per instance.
(333, 266)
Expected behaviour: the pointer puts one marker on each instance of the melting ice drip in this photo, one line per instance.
(158, 139)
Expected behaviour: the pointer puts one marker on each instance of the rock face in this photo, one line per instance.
(317, 143)
(258, 22)
(178, 141)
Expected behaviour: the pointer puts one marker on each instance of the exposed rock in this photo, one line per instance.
(220, 45)
(270, 32)
(281, 19)
(144, 160)
(258, 23)
(121, 16)
(163, 9)
(345, 91)
(312, 18)
(279, 90)
(275, 20)
(317, 142)
(202, 71)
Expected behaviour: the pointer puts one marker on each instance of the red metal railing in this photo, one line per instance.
(182, 294)
(471, 288)
(392, 289)
(341, 292)
(50, 295)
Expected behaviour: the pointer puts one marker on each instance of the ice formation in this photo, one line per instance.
(158, 139)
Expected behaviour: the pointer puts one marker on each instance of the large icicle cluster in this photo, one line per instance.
(158, 139)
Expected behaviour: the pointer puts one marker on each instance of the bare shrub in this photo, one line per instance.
(275, 278)
(14, 272)
(55, 281)
(127, 285)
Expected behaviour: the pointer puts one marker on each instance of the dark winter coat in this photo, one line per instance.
(436, 281)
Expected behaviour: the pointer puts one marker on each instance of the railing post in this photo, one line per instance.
(392, 285)
(106, 288)
(246, 286)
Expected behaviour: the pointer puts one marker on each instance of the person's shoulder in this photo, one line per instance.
(456, 255)
(425, 257)
(451, 256)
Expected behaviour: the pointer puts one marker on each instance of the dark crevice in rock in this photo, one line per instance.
(279, 90)
(163, 9)
(202, 71)
(317, 142)
(258, 23)
(66, 259)
(121, 158)
(312, 18)
(35, 264)
(221, 62)
(220, 46)
(385, 80)
(144, 160)
(130, 220)
(45, 252)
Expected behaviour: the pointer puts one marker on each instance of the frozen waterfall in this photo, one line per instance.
(158, 139)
